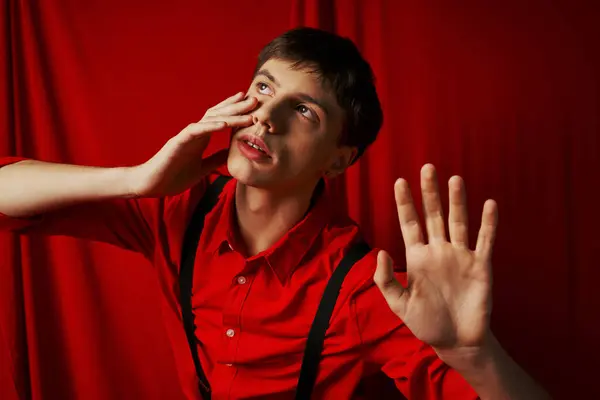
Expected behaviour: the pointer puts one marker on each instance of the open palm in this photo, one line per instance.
(447, 302)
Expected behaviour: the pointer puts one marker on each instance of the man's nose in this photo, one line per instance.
(265, 114)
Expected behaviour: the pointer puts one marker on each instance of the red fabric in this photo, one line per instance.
(505, 95)
(253, 314)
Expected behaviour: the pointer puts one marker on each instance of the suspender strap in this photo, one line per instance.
(186, 273)
(316, 336)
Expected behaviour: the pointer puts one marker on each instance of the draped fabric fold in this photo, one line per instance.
(505, 95)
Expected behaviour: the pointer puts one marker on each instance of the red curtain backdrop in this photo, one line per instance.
(505, 95)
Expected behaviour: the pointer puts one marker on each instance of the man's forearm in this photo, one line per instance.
(28, 188)
(495, 375)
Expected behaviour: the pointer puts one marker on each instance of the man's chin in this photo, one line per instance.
(242, 170)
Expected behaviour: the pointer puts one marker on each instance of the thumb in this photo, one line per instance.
(395, 294)
(214, 161)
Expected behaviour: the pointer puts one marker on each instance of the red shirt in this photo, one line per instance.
(253, 314)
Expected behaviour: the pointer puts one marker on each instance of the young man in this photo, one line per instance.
(272, 241)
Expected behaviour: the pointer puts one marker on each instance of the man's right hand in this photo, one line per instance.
(179, 164)
(34, 187)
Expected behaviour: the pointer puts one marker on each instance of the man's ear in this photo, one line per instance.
(342, 160)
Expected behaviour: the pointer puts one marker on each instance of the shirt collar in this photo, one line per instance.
(287, 253)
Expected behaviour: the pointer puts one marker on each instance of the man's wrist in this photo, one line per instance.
(469, 360)
(492, 373)
(129, 181)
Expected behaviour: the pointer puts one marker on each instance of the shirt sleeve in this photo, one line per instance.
(131, 224)
(391, 347)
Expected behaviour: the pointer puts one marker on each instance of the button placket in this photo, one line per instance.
(232, 329)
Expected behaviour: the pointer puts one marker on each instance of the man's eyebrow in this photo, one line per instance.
(268, 75)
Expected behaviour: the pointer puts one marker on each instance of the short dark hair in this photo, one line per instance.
(339, 63)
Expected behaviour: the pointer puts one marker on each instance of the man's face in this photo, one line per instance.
(296, 123)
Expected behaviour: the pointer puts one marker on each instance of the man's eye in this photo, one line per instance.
(263, 88)
(305, 111)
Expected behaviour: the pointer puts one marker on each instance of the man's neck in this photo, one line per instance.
(265, 216)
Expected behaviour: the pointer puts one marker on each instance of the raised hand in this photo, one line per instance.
(179, 163)
(447, 302)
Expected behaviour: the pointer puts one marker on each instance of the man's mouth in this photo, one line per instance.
(256, 143)
(257, 147)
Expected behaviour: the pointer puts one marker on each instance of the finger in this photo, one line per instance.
(458, 216)
(236, 108)
(236, 97)
(233, 120)
(407, 214)
(394, 293)
(487, 231)
(214, 161)
(432, 205)
(204, 128)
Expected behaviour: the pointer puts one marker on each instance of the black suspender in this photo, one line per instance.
(316, 336)
(186, 273)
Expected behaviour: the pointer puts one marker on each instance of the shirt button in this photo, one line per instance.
(229, 365)
(230, 332)
(241, 280)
